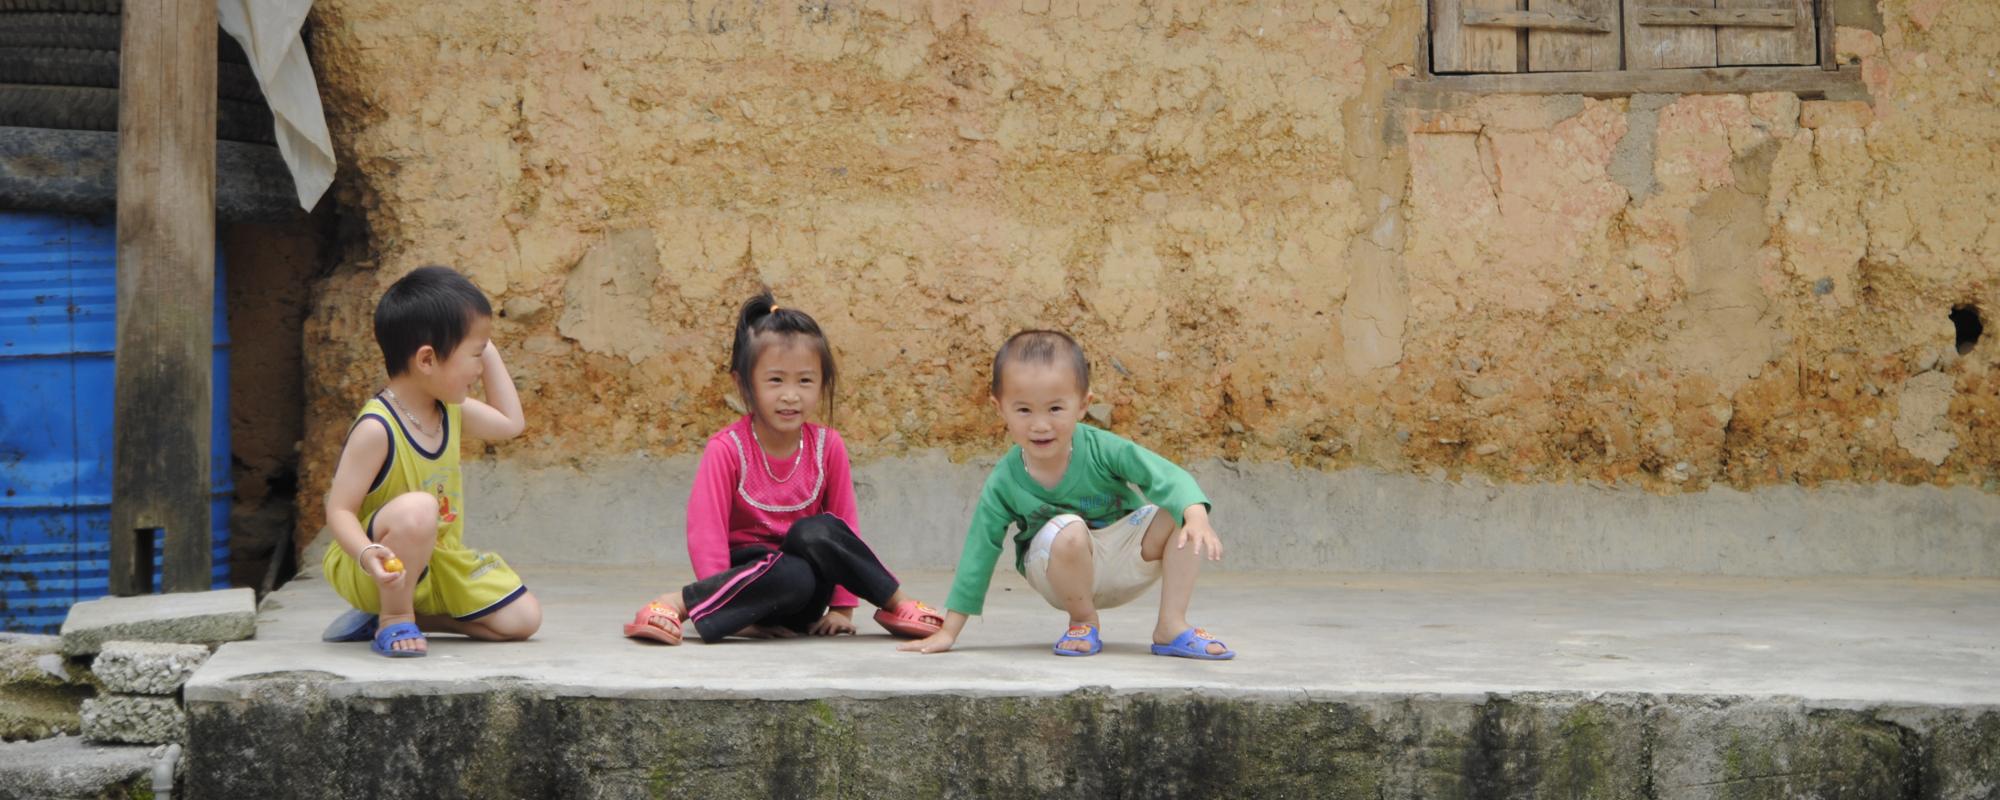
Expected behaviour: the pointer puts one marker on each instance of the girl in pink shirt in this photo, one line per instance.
(771, 519)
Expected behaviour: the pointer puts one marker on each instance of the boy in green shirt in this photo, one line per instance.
(1085, 541)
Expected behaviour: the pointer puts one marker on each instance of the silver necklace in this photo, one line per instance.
(407, 416)
(800, 454)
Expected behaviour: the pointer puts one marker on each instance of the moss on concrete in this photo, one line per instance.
(290, 737)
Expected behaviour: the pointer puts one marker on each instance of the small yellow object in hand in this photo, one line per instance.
(392, 564)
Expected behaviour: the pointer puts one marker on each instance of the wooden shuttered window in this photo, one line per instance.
(1524, 35)
(1458, 47)
(1675, 34)
(1502, 36)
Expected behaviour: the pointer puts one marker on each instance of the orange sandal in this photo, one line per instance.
(642, 627)
(912, 619)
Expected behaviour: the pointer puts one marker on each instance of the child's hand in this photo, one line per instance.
(1203, 537)
(935, 643)
(376, 561)
(836, 622)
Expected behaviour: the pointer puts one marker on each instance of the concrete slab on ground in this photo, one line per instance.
(147, 667)
(40, 690)
(67, 767)
(34, 659)
(223, 615)
(134, 719)
(1831, 640)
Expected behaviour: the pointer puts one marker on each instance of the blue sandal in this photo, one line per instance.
(1080, 633)
(353, 625)
(1193, 643)
(386, 639)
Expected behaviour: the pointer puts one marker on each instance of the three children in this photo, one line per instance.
(771, 523)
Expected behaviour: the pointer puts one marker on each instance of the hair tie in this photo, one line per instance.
(774, 308)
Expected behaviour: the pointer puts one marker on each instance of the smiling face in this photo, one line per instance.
(1040, 403)
(785, 383)
(450, 378)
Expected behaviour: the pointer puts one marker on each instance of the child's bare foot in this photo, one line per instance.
(908, 617)
(415, 644)
(1078, 645)
(673, 602)
(660, 620)
(767, 632)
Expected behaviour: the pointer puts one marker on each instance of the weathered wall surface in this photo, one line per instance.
(1270, 253)
(271, 269)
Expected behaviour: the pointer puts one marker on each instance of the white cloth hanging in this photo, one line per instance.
(269, 32)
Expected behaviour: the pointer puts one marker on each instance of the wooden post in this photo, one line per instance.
(166, 294)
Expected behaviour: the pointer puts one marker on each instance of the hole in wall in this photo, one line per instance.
(1966, 322)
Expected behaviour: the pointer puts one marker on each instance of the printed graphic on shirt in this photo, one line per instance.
(445, 514)
(439, 479)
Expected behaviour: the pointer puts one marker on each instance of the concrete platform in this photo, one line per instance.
(1388, 685)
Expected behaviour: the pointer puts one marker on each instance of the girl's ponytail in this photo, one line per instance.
(741, 353)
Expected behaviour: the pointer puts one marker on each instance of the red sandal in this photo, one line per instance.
(912, 619)
(642, 626)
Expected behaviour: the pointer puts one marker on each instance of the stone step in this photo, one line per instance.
(157, 668)
(40, 712)
(41, 691)
(67, 768)
(1399, 686)
(134, 719)
(223, 615)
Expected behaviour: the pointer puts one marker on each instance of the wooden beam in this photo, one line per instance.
(1719, 17)
(166, 294)
(1844, 84)
(1538, 20)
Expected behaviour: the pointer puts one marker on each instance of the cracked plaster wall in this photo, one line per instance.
(1268, 255)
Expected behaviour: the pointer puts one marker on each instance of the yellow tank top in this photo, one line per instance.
(410, 468)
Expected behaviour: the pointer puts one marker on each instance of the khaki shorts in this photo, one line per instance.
(1122, 572)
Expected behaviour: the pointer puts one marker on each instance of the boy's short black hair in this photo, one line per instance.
(430, 306)
(1042, 347)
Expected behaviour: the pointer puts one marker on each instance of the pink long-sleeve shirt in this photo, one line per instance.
(738, 501)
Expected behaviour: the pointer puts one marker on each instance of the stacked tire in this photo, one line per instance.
(59, 70)
(59, 76)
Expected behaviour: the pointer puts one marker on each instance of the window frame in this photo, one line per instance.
(1827, 79)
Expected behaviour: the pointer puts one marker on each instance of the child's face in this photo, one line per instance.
(786, 382)
(1041, 405)
(450, 378)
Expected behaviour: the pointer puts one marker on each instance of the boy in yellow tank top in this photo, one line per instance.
(395, 507)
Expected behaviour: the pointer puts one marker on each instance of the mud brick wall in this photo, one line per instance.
(1270, 253)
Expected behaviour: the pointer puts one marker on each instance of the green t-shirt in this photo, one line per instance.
(1097, 486)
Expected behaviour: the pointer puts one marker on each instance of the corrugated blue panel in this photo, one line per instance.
(58, 328)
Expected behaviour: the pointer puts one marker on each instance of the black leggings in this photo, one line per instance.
(789, 586)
